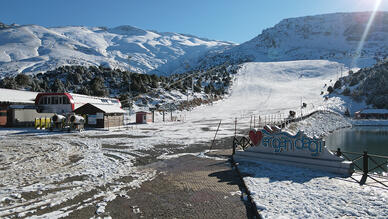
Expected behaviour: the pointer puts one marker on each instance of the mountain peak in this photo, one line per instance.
(332, 37)
(127, 30)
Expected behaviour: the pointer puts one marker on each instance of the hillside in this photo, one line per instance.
(335, 37)
(332, 37)
(34, 49)
(176, 91)
(368, 86)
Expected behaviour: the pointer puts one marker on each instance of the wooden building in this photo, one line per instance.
(17, 108)
(101, 116)
(372, 114)
(143, 117)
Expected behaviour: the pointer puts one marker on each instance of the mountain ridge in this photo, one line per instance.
(333, 36)
(32, 48)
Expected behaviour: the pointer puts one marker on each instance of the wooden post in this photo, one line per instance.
(254, 121)
(234, 146)
(365, 168)
(338, 152)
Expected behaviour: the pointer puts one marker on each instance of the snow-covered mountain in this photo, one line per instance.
(335, 37)
(332, 37)
(33, 48)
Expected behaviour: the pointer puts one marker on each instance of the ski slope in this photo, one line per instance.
(263, 88)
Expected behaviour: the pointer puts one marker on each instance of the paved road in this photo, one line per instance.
(186, 187)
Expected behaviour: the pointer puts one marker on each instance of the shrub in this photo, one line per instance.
(330, 89)
(346, 92)
(337, 84)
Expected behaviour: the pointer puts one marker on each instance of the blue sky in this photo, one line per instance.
(230, 20)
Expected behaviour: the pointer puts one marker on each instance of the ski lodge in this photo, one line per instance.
(20, 108)
(372, 114)
(100, 112)
(17, 108)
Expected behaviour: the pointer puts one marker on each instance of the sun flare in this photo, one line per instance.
(365, 33)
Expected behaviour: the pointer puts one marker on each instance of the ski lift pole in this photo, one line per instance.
(215, 136)
(235, 127)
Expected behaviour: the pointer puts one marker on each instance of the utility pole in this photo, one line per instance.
(301, 105)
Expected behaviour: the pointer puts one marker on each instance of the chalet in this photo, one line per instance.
(372, 114)
(101, 116)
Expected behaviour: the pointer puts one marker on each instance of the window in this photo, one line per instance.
(3, 113)
(54, 100)
(41, 100)
(65, 100)
(45, 100)
(104, 100)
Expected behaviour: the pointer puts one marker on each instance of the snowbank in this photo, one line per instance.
(320, 124)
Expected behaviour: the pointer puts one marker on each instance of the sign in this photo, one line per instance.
(278, 142)
(92, 119)
(99, 115)
(271, 144)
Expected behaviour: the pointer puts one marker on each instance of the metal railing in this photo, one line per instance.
(361, 161)
(243, 142)
(365, 166)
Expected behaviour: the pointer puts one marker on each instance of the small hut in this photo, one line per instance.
(101, 116)
(143, 117)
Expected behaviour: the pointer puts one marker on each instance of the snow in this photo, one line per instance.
(332, 37)
(109, 108)
(17, 96)
(263, 88)
(36, 161)
(320, 124)
(291, 192)
(33, 49)
(335, 37)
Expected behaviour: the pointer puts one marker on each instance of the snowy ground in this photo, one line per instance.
(289, 192)
(54, 174)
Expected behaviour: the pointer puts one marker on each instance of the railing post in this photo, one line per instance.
(338, 152)
(234, 146)
(365, 167)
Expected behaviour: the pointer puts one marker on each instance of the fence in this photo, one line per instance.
(363, 162)
(366, 163)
